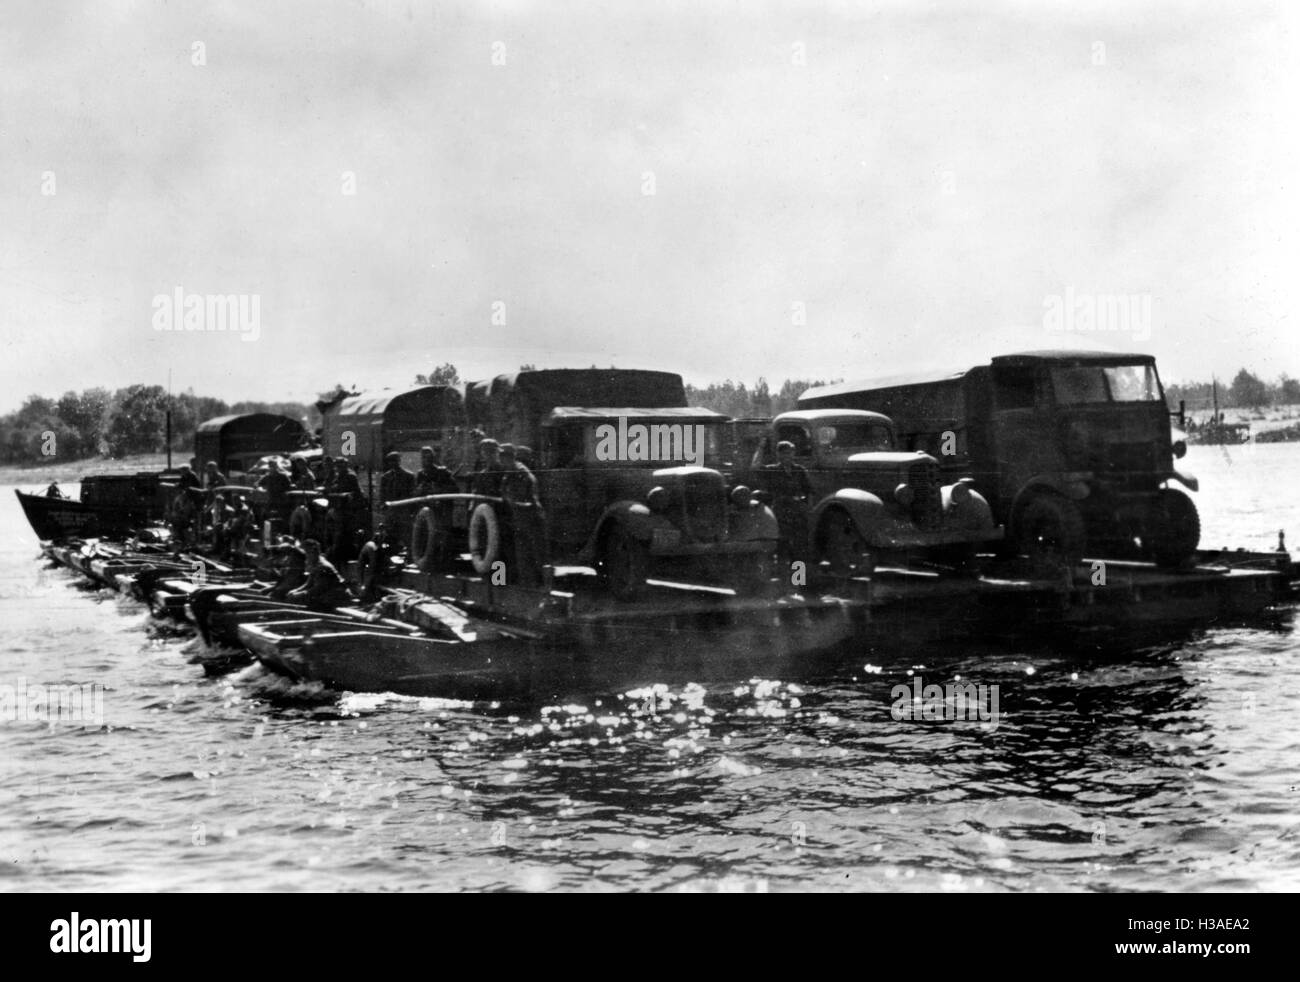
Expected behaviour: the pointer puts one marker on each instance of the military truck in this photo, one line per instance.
(629, 489)
(664, 504)
(865, 499)
(1074, 450)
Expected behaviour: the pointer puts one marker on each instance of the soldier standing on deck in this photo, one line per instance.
(433, 478)
(396, 484)
(487, 480)
(791, 491)
(212, 478)
(527, 519)
(352, 514)
(188, 479)
(275, 482)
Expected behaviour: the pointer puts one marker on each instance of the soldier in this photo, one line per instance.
(396, 484)
(791, 491)
(301, 474)
(290, 563)
(325, 588)
(220, 514)
(432, 477)
(518, 485)
(527, 519)
(327, 475)
(239, 526)
(346, 482)
(184, 516)
(212, 478)
(188, 479)
(275, 482)
(53, 491)
(487, 477)
(352, 512)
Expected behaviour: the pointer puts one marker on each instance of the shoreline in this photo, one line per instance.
(70, 471)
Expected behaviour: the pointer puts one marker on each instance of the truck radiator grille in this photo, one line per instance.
(927, 503)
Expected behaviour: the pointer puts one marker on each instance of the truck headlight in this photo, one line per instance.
(961, 490)
(742, 496)
(658, 499)
(1179, 448)
(904, 495)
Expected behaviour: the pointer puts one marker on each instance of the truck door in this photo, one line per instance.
(1024, 439)
(562, 488)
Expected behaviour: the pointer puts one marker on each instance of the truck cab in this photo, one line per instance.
(1085, 455)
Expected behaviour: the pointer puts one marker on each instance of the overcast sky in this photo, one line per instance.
(732, 190)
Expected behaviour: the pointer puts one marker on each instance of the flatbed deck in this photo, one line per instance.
(1008, 596)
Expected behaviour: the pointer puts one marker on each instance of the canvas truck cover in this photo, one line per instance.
(518, 403)
(370, 424)
(236, 442)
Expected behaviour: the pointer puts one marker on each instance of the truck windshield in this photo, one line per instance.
(1095, 384)
(854, 438)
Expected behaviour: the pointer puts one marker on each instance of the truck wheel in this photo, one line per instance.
(484, 538)
(841, 544)
(1051, 530)
(625, 560)
(1173, 528)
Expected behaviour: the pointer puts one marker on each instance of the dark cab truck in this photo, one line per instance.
(671, 510)
(868, 497)
(623, 507)
(1074, 450)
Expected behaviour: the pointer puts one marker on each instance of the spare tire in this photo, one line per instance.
(484, 538)
(424, 540)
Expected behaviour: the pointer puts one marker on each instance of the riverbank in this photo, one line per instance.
(69, 471)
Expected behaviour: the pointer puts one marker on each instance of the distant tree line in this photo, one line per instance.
(738, 400)
(1245, 391)
(733, 398)
(96, 422)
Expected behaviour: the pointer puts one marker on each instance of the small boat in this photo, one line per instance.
(110, 504)
(364, 658)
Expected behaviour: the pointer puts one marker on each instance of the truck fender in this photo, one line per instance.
(1189, 481)
(973, 514)
(866, 510)
(755, 522)
(634, 515)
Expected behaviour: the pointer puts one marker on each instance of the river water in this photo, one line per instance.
(1165, 764)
